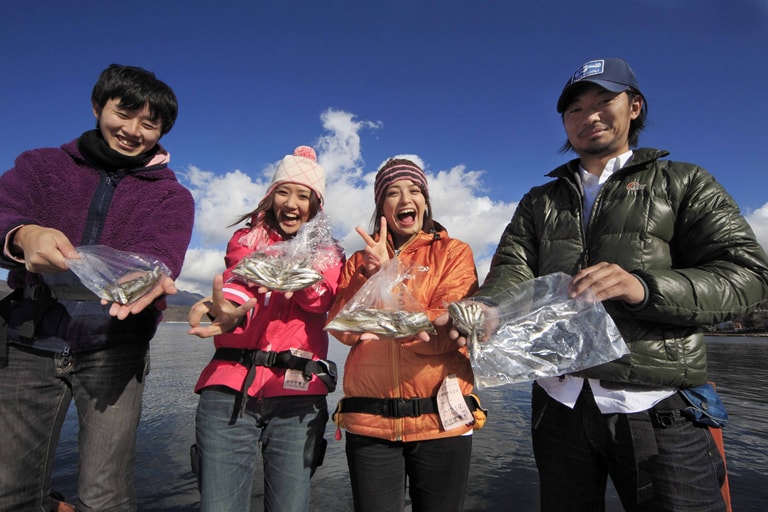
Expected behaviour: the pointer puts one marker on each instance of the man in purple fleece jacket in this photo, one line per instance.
(58, 342)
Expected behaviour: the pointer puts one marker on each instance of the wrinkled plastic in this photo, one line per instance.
(544, 333)
(384, 305)
(296, 263)
(117, 276)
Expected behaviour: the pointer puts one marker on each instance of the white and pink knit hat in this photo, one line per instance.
(301, 167)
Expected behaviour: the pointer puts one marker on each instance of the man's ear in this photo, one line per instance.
(96, 111)
(635, 106)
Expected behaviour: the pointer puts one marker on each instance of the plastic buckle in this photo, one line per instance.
(271, 358)
(664, 419)
(400, 408)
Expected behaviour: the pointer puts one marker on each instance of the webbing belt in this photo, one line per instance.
(396, 407)
(325, 370)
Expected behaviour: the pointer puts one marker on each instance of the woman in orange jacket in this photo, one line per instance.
(396, 426)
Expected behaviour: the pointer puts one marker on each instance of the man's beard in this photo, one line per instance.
(601, 149)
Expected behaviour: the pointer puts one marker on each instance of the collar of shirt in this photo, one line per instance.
(591, 184)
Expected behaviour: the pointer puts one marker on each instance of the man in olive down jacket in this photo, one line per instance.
(666, 249)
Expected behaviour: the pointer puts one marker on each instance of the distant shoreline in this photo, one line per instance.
(748, 334)
(177, 313)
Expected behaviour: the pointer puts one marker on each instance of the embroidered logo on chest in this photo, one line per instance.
(635, 186)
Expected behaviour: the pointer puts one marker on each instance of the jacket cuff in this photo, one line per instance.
(638, 307)
(7, 253)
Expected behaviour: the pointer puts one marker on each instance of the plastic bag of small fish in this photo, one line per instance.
(117, 276)
(384, 305)
(539, 332)
(296, 263)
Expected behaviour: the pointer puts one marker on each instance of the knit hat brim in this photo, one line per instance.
(387, 176)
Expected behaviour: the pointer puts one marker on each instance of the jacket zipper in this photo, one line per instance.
(576, 187)
(99, 206)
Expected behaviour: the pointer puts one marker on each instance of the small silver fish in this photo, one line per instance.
(132, 289)
(468, 318)
(277, 273)
(394, 324)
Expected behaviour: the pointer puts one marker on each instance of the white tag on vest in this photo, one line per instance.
(453, 410)
(294, 379)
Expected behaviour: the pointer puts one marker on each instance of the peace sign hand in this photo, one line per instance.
(375, 253)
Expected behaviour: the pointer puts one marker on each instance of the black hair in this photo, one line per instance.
(635, 126)
(137, 87)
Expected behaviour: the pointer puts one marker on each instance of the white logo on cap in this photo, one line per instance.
(593, 67)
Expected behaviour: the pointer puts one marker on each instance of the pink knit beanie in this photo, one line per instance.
(399, 171)
(302, 168)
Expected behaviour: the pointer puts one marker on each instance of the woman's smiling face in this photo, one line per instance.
(291, 207)
(404, 207)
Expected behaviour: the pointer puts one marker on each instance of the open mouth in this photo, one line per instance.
(126, 143)
(406, 217)
(289, 219)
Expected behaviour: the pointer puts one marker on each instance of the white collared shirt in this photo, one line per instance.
(566, 389)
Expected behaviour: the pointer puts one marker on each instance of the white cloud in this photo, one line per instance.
(456, 195)
(348, 191)
(339, 150)
(469, 215)
(220, 200)
(758, 219)
(199, 268)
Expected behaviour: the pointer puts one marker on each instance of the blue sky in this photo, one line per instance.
(467, 87)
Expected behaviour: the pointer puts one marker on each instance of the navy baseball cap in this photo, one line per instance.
(612, 74)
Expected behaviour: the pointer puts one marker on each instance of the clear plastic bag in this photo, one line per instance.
(543, 333)
(117, 276)
(293, 264)
(384, 305)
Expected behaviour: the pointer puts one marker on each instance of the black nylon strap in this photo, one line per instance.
(325, 370)
(396, 407)
(5, 310)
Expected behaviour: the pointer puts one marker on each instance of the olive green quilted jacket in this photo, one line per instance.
(669, 223)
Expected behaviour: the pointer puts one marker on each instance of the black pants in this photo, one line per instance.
(436, 470)
(658, 460)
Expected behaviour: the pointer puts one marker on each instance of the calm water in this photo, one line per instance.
(502, 476)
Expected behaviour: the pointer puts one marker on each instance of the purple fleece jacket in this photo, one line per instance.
(143, 210)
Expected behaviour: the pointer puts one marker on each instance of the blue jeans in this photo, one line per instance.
(658, 460)
(290, 431)
(436, 469)
(36, 389)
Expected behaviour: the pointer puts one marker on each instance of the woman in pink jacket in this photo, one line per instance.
(268, 380)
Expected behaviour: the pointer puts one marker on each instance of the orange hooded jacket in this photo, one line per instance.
(407, 368)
